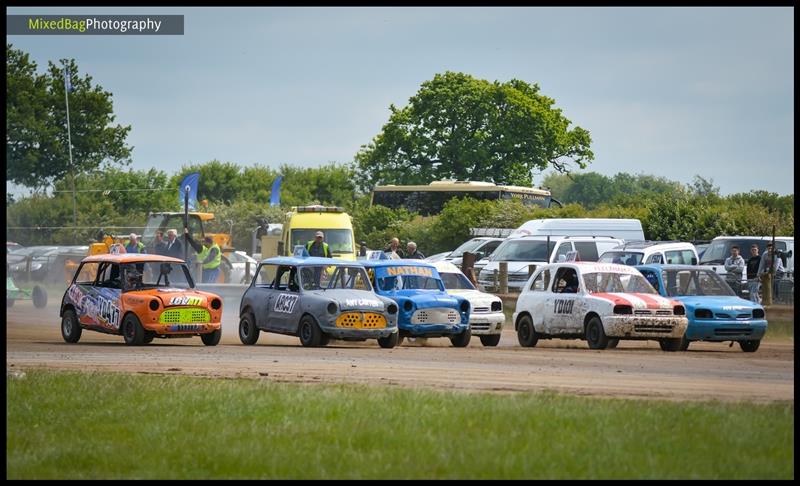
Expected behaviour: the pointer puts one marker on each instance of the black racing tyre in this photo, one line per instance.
(132, 330)
(148, 337)
(750, 346)
(70, 328)
(526, 334)
(490, 340)
(670, 344)
(595, 335)
(309, 332)
(684, 343)
(211, 338)
(325, 339)
(9, 303)
(39, 297)
(389, 341)
(612, 343)
(461, 340)
(248, 332)
(400, 338)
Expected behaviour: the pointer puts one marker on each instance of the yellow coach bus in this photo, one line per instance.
(430, 199)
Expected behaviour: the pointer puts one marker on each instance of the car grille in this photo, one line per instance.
(480, 310)
(184, 316)
(733, 331)
(648, 312)
(436, 316)
(480, 327)
(518, 277)
(720, 315)
(665, 328)
(361, 320)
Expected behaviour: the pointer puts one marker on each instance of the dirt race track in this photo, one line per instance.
(636, 369)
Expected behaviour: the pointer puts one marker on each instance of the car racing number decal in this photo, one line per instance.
(101, 310)
(185, 300)
(285, 303)
(563, 306)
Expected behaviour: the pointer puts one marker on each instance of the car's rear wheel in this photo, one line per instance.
(309, 333)
(39, 297)
(248, 332)
(132, 331)
(526, 334)
(670, 344)
(211, 338)
(750, 346)
(490, 340)
(595, 335)
(70, 329)
(461, 340)
(389, 341)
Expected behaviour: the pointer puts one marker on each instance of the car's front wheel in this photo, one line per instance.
(461, 340)
(70, 329)
(389, 341)
(595, 334)
(526, 334)
(684, 343)
(132, 331)
(750, 346)
(212, 338)
(309, 333)
(490, 340)
(248, 332)
(39, 296)
(670, 344)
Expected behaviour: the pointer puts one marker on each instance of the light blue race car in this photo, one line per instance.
(425, 307)
(715, 312)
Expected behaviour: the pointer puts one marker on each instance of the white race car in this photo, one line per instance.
(599, 302)
(486, 317)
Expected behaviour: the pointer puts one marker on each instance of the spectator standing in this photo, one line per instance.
(209, 255)
(134, 245)
(752, 274)
(394, 247)
(173, 247)
(735, 266)
(411, 251)
(317, 247)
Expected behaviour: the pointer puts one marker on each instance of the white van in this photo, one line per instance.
(642, 252)
(624, 229)
(524, 251)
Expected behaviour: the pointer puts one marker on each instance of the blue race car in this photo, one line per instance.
(425, 307)
(715, 312)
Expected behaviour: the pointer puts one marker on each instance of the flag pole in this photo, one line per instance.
(67, 85)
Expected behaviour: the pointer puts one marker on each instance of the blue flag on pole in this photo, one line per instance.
(275, 197)
(191, 181)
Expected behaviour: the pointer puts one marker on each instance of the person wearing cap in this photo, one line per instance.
(134, 245)
(209, 255)
(317, 247)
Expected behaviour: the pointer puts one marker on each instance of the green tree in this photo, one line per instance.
(219, 182)
(37, 148)
(460, 127)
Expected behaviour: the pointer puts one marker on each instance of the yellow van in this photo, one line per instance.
(305, 221)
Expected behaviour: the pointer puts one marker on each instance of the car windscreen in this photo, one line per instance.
(604, 282)
(522, 251)
(694, 282)
(456, 281)
(622, 257)
(408, 282)
(470, 246)
(338, 240)
(149, 275)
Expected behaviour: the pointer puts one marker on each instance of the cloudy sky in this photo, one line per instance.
(673, 92)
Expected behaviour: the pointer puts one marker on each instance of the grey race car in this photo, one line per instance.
(316, 299)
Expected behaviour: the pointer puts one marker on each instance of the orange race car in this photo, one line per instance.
(141, 297)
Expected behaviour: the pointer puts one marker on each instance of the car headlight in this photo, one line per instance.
(623, 309)
(679, 310)
(391, 309)
(758, 313)
(497, 306)
(703, 314)
(407, 306)
(332, 308)
(464, 306)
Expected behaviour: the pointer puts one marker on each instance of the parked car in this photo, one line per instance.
(486, 316)
(316, 299)
(482, 246)
(523, 252)
(238, 269)
(12, 245)
(714, 311)
(132, 295)
(642, 252)
(599, 302)
(426, 309)
(27, 263)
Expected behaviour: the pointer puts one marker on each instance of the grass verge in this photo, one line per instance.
(68, 425)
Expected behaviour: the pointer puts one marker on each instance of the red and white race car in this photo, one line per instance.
(599, 302)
